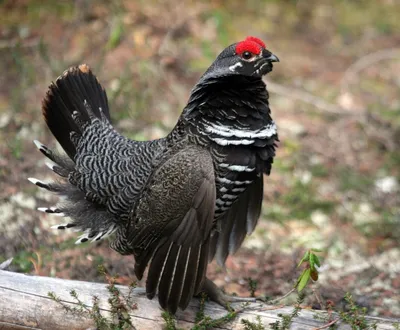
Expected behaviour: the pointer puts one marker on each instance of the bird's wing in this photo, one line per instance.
(239, 221)
(172, 225)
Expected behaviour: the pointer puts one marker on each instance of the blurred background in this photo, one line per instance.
(335, 96)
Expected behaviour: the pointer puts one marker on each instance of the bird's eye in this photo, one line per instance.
(247, 55)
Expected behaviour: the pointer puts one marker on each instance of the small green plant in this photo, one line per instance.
(330, 319)
(355, 316)
(252, 286)
(209, 323)
(169, 321)
(287, 319)
(116, 33)
(83, 309)
(248, 325)
(119, 306)
(312, 262)
(23, 261)
(206, 322)
(200, 314)
(16, 147)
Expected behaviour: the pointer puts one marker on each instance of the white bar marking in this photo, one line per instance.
(226, 131)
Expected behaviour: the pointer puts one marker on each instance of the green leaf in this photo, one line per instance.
(303, 280)
(314, 260)
(305, 258)
(117, 30)
(316, 250)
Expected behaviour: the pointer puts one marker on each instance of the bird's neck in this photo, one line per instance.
(228, 112)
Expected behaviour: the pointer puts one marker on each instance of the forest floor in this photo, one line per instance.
(335, 96)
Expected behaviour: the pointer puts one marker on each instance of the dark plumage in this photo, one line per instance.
(177, 202)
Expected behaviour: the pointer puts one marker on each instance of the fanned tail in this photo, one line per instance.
(72, 104)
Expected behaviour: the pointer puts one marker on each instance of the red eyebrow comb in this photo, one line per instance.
(256, 40)
(250, 44)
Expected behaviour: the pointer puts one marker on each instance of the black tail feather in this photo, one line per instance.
(71, 101)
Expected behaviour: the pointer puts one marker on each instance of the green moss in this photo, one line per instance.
(275, 213)
(392, 163)
(350, 179)
(354, 17)
(319, 171)
(116, 33)
(284, 165)
(386, 227)
(36, 11)
(16, 147)
(23, 261)
(302, 200)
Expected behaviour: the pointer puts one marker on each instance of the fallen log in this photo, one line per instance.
(25, 304)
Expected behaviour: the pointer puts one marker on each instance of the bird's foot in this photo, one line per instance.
(215, 294)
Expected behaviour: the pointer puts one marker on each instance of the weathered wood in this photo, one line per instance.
(24, 304)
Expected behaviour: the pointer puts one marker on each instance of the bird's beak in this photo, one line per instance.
(271, 57)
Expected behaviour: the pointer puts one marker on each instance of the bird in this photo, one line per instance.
(174, 203)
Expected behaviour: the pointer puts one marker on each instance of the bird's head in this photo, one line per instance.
(236, 71)
(245, 58)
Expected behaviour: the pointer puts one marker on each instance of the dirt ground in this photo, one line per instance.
(335, 96)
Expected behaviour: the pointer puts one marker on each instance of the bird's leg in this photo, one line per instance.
(216, 295)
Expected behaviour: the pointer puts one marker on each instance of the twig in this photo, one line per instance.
(318, 298)
(36, 264)
(270, 308)
(306, 97)
(17, 42)
(272, 302)
(365, 62)
(327, 325)
(348, 76)
(235, 314)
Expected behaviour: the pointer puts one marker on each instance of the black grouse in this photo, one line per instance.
(177, 202)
